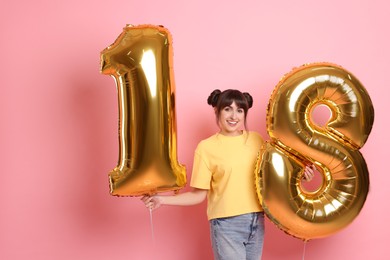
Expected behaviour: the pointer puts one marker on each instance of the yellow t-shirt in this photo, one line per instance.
(225, 166)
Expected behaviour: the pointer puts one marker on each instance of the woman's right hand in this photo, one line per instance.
(151, 202)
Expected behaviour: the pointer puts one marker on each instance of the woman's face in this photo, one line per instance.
(231, 120)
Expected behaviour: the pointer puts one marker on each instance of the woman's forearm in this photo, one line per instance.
(189, 198)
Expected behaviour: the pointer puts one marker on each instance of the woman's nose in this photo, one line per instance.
(233, 114)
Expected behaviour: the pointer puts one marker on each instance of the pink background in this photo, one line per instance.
(59, 118)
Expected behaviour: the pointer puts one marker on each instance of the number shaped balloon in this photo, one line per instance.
(140, 61)
(334, 148)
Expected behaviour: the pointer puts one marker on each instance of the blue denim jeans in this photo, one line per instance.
(239, 237)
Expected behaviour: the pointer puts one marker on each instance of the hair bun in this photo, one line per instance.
(248, 98)
(213, 98)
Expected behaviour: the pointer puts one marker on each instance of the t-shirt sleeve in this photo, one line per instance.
(201, 174)
(259, 139)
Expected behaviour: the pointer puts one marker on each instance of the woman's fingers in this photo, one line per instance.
(151, 202)
(309, 172)
(308, 176)
(148, 201)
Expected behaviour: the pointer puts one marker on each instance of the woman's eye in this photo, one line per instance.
(240, 110)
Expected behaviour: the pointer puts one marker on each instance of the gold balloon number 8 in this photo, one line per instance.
(140, 61)
(297, 141)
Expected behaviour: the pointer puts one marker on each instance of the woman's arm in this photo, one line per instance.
(189, 198)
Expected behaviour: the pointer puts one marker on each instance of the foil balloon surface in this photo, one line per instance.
(140, 61)
(297, 141)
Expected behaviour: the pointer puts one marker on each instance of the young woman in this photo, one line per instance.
(223, 171)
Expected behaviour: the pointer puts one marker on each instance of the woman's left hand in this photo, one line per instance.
(308, 174)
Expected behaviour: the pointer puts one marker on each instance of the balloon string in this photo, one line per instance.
(304, 250)
(151, 224)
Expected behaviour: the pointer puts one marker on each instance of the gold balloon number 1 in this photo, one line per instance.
(140, 61)
(296, 141)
